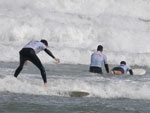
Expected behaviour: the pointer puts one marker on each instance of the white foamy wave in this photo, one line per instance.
(97, 87)
(122, 89)
(11, 84)
(75, 28)
(27, 86)
(105, 87)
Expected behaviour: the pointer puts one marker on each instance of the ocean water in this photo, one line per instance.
(74, 29)
(115, 94)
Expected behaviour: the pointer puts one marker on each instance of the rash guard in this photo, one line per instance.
(37, 46)
(97, 58)
(125, 67)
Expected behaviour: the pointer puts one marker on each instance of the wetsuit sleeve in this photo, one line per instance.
(106, 64)
(107, 68)
(131, 72)
(49, 53)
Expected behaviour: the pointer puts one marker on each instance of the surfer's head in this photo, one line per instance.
(123, 62)
(100, 48)
(44, 42)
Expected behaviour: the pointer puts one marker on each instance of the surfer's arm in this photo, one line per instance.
(50, 54)
(106, 64)
(107, 68)
(131, 72)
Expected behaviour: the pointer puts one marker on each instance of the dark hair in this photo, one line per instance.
(100, 48)
(123, 62)
(45, 42)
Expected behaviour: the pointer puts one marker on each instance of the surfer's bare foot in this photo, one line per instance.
(45, 84)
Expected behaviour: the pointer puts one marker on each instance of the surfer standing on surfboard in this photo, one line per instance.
(29, 52)
(97, 58)
(121, 69)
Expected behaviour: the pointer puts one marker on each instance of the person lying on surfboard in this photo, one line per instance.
(121, 69)
(29, 52)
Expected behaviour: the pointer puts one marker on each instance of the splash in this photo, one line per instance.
(75, 28)
(96, 87)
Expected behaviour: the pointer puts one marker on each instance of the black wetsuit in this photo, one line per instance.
(29, 54)
(118, 69)
(95, 69)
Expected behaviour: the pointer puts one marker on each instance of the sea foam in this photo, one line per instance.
(74, 29)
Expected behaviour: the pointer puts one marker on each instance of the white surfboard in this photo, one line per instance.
(138, 71)
(78, 93)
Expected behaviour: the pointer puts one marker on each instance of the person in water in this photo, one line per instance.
(29, 52)
(97, 58)
(121, 69)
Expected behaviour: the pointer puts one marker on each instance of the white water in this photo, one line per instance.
(74, 28)
(133, 87)
(97, 87)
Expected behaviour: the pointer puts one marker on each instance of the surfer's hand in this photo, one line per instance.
(26, 63)
(45, 84)
(110, 72)
(57, 59)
